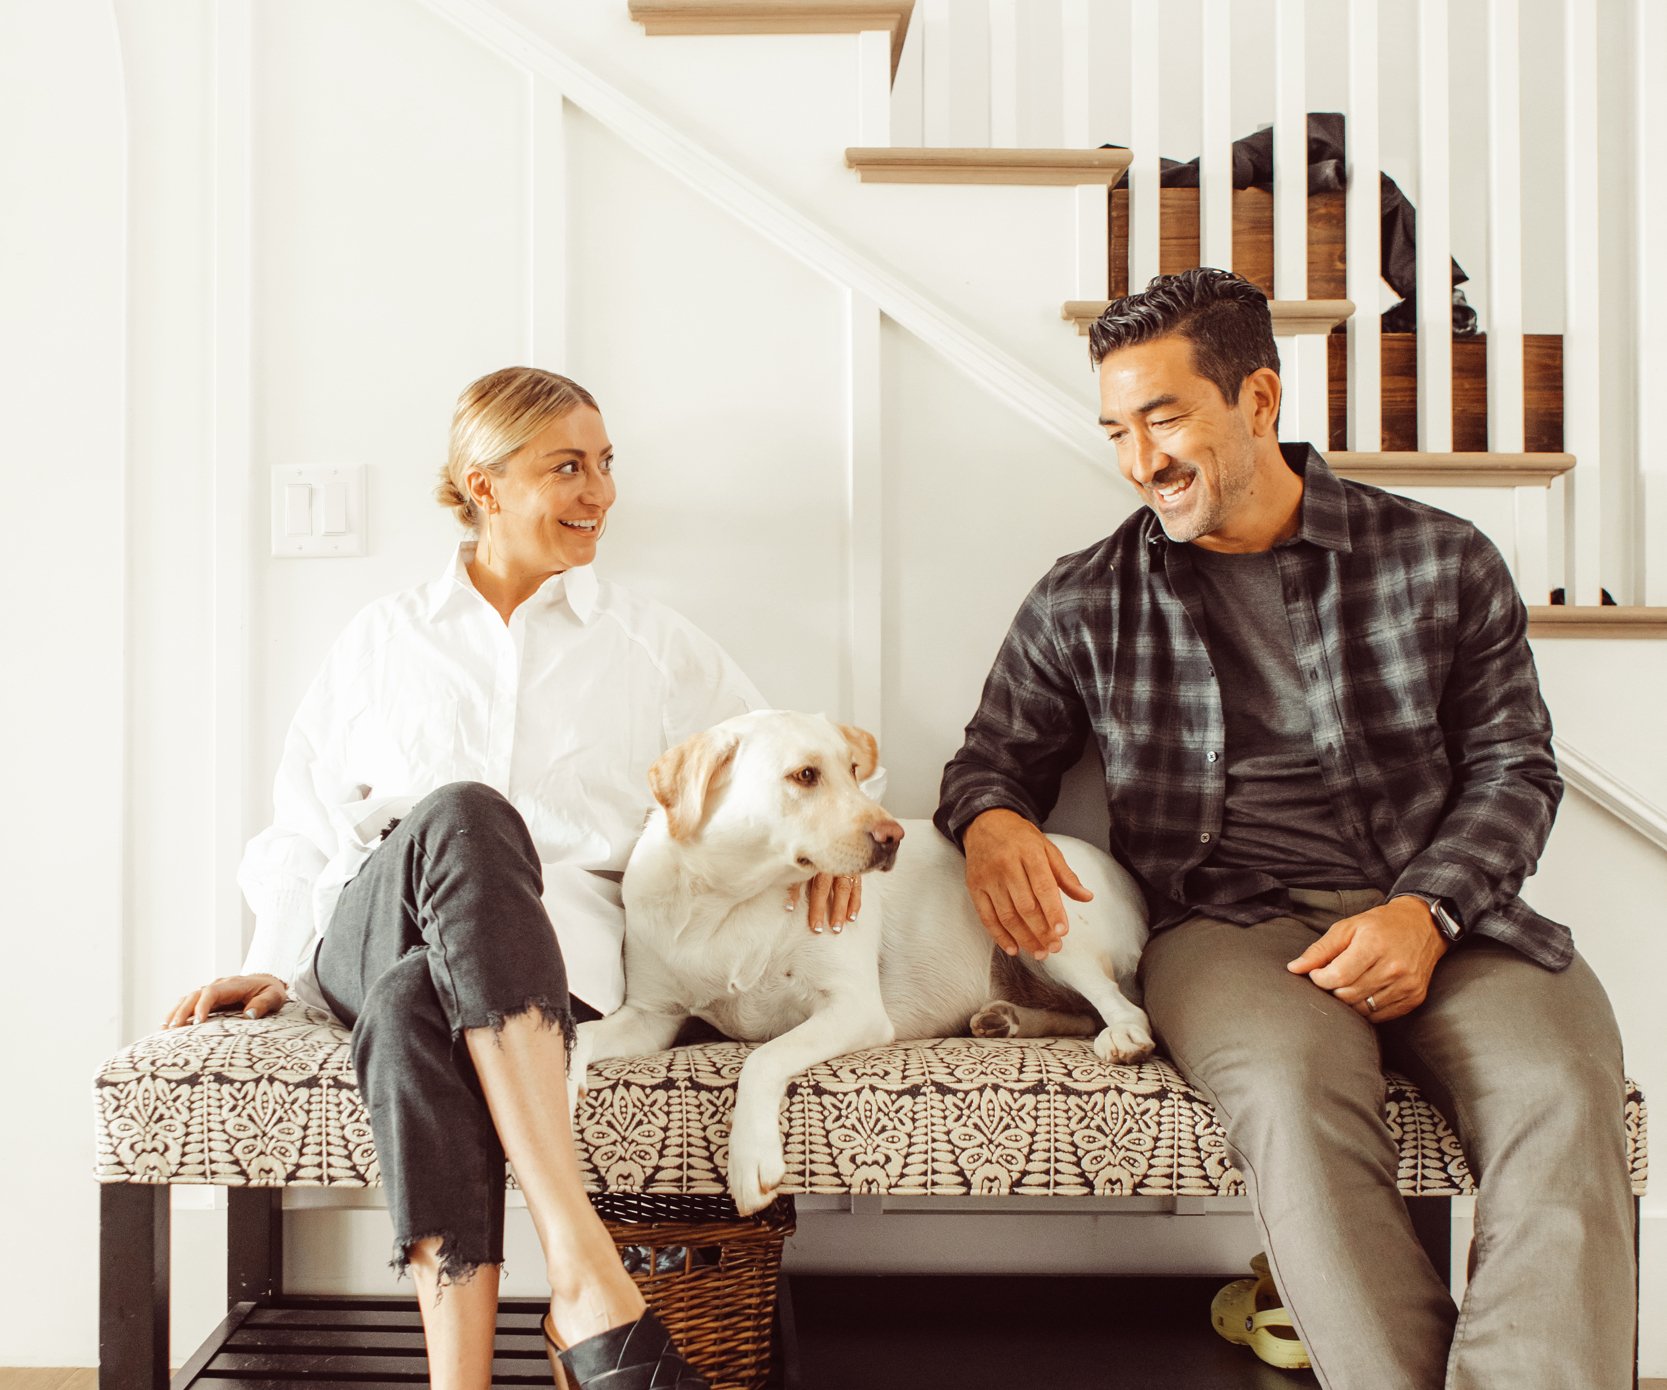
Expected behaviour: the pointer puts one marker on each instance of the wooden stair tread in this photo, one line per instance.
(929, 164)
(777, 17)
(1403, 468)
(1580, 620)
(1289, 315)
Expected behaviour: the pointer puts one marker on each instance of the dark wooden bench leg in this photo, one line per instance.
(254, 1244)
(1432, 1223)
(133, 1286)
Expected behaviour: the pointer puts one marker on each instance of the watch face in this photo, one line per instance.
(1446, 922)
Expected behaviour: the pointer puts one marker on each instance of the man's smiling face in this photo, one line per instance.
(1189, 454)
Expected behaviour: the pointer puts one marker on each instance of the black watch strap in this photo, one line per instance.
(1446, 919)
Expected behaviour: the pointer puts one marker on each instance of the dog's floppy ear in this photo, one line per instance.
(682, 778)
(865, 752)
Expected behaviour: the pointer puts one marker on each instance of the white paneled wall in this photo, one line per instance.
(316, 261)
(63, 851)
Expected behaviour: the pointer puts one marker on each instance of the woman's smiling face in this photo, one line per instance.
(546, 508)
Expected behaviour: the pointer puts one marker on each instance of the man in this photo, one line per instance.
(1328, 762)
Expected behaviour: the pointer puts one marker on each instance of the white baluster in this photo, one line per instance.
(1650, 233)
(1435, 237)
(1302, 356)
(874, 88)
(1076, 85)
(1583, 534)
(1145, 91)
(908, 88)
(1215, 169)
(1504, 325)
(1506, 434)
(1076, 76)
(938, 77)
(1004, 74)
(547, 235)
(1364, 250)
(1290, 152)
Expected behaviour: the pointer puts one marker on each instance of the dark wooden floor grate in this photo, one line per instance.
(351, 1344)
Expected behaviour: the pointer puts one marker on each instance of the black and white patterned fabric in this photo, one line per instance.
(273, 1102)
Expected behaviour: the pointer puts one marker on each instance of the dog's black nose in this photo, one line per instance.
(887, 835)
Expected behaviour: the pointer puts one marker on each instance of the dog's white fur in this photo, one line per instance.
(739, 821)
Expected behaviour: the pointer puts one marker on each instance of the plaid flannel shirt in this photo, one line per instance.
(1411, 641)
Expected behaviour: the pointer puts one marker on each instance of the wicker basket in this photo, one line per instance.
(709, 1273)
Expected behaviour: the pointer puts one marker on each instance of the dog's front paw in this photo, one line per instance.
(1129, 1040)
(757, 1166)
(998, 1019)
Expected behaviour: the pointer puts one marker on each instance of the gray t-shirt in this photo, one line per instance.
(1278, 818)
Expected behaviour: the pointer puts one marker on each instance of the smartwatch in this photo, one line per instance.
(1446, 920)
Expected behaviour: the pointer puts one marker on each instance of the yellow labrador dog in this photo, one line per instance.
(764, 801)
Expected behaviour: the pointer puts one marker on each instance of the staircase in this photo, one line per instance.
(1531, 472)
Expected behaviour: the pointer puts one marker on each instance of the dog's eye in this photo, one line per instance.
(807, 776)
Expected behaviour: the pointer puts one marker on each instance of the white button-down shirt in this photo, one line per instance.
(562, 710)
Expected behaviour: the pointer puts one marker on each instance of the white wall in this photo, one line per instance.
(400, 240)
(63, 568)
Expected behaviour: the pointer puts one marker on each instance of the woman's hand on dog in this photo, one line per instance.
(1015, 875)
(254, 996)
(833, 898)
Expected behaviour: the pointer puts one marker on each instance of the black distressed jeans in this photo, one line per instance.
(442, 930)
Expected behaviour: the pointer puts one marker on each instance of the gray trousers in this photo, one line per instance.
(1526, 1065)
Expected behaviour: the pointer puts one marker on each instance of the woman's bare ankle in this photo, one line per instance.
(582, 1308)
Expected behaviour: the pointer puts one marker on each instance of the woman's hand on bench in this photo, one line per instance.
(254, 996)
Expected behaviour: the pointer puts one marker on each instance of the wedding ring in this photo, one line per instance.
(1371, 1005)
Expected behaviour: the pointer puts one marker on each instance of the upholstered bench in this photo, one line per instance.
(256, 1106)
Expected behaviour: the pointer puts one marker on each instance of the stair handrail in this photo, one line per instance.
(1625, 803)
(1067, 418)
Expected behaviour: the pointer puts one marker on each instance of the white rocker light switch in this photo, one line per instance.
(318, 511)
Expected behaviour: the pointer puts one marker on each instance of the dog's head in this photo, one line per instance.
(778, 786)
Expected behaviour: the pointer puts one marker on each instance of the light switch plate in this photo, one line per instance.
(318, 511)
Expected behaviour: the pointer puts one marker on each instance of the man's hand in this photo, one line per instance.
(1387, 954)
(255, 995)
(833, 898)
(1015, 875)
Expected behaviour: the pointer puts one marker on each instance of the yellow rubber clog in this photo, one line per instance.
(1248, 1312)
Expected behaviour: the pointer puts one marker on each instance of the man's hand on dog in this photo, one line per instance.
(1015, 875)
(1386, 953)
(833, 899)
(254, 996)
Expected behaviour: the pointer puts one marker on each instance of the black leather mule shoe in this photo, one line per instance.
(638, 1356)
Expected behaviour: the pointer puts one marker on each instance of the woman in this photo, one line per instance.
(468, 769)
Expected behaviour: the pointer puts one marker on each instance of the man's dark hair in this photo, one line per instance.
(1221, 314)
